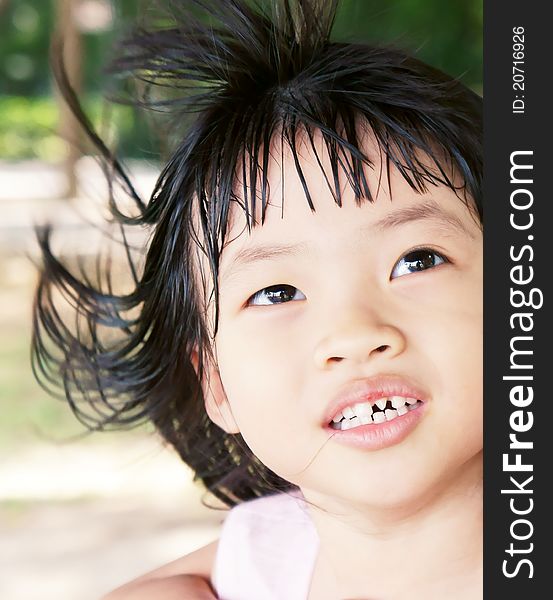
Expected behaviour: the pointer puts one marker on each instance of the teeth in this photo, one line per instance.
(390, 414)
(360, 414)
(354, 422)
(379, 417)
(348, 412)
(364, 409)
(397, 401)
(337, 418)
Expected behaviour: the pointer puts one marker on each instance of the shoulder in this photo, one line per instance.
(177, 587)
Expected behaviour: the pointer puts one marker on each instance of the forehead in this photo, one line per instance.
(289, 216)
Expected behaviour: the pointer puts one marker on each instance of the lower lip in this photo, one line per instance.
(379, 435)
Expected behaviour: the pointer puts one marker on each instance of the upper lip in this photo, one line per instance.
(370, 390)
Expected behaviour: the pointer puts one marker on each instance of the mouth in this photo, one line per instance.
(373, 413)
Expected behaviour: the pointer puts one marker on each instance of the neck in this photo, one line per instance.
(430, 547)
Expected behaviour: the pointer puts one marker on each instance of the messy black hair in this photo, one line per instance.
(233, 75)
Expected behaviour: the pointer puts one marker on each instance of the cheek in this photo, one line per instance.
(457, 358)
(264, 381)
(252, 370)
(260, 358)
(449, 335)
(453, 323)
(458, 345)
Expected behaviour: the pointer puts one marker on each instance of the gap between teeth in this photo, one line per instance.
(365, 414)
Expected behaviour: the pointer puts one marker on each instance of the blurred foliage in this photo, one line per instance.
(27, 411)
(29, 414)
(25, 28)
(28, 128)
(446, 34)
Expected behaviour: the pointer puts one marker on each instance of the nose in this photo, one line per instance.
(360, 338)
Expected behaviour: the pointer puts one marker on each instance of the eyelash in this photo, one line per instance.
(421, 250)
(425, 250)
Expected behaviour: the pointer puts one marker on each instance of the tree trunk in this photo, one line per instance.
(69, 129)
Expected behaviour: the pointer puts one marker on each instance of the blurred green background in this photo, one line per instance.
(88, 485)
(447, 34)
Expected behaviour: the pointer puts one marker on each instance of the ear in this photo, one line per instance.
(216, 402)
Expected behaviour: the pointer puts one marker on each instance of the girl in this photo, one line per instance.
(306, 330)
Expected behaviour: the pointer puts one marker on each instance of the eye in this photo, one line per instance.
(419, 259)
(275, 294)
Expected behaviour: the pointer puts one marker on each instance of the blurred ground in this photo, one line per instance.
(77, 518)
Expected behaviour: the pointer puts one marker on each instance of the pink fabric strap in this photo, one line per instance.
(266, 551)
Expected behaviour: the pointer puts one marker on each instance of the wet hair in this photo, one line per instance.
(233, 75)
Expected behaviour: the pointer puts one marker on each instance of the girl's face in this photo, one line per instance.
(311, 302)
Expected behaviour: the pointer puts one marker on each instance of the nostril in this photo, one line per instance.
(337, 359)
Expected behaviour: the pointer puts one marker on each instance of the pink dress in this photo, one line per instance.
(266, 551)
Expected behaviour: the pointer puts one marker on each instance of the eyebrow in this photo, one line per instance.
(262, 253)
(427, 211)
